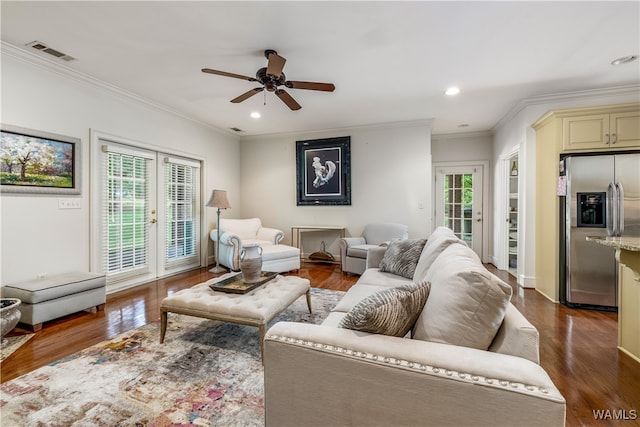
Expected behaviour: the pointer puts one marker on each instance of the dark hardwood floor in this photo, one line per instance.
(578, 347)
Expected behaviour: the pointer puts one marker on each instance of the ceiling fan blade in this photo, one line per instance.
(275, 65)
(247, 94)
(326, 87)
(287, 99)
(225, 74)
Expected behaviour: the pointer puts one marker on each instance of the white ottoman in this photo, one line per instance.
(56, 296)
(280, 258)
(255, 308)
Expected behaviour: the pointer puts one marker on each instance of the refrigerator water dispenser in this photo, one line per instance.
(591, 210)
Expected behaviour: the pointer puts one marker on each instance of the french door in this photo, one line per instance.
(459, 203)
(149, 214)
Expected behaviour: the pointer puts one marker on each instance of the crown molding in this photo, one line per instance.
(65, 71)
(563, 96)
(322, 132)
(461, 135)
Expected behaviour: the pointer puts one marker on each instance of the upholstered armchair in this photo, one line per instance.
(234, 233)
(353, 250)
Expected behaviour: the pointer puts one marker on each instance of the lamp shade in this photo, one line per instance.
(219, 200)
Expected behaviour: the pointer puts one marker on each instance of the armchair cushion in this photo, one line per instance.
(243, 228)
(359, 251)
(376, 234)
(389, 312)
(402, 257)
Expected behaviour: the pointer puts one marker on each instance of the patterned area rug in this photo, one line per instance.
(207, 373)
(11, 344)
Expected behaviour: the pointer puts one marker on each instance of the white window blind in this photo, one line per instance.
(182, 211)
(126, 215)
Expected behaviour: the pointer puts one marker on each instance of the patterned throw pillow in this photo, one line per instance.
(390, 312)
(402, 257)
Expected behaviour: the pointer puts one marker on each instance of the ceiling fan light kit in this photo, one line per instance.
(271, 77)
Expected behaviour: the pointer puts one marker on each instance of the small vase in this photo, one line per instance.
(251, 263)
(9, 314)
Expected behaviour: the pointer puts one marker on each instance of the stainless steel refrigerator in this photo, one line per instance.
(602, 199)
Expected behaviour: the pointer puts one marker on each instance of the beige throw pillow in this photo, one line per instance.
(390, 312)
(439, 240)
(466, 304)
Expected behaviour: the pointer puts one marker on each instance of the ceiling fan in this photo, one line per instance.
(271, 77)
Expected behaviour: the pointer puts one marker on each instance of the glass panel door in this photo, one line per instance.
(181, 204)
(148, 216)
(128, 214)
(459, 203)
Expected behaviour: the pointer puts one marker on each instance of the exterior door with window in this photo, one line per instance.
(149, 208)
(179, 211)
(458, 203)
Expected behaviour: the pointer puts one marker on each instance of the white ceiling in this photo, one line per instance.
(390, 61)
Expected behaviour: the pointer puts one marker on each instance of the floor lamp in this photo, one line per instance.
(218, 200)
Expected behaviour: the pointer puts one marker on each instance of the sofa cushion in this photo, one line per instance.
(466, 303)
(389, 312)
(376, 277)
(357, 293)
(439, 240)
(333, 319)
(402, 257)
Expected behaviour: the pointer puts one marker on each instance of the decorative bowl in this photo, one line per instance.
(9, 314)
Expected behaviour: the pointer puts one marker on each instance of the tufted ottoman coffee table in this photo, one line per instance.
(255, 308)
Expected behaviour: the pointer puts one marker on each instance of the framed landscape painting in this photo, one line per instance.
(38, 162)
(323, 171)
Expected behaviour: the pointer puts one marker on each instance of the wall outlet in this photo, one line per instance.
(68, 203)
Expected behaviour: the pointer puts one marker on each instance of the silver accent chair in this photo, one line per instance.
(353, 250)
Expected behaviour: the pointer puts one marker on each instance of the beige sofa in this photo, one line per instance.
(321, 375)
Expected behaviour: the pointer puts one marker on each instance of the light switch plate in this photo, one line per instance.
(68, 203)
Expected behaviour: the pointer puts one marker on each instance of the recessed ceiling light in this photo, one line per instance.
(452, 91)
(255, 115)
(624, 59)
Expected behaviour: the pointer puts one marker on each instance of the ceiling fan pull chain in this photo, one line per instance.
(264, 94)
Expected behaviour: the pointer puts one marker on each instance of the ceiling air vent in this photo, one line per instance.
(236, 129)
(46, 49)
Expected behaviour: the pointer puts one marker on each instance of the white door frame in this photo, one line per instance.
(501, 255)
(503, 170)
(95, 207)
(486, 196)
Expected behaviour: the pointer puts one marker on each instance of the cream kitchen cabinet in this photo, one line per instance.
(601, 131)
(565, 131)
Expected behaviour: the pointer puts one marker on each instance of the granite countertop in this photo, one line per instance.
(627, 243)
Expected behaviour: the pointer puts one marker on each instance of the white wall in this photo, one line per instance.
(515, 130)
(390, 180)
(37, 237)
(462, 147)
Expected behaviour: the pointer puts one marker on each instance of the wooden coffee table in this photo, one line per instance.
(255, 308)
